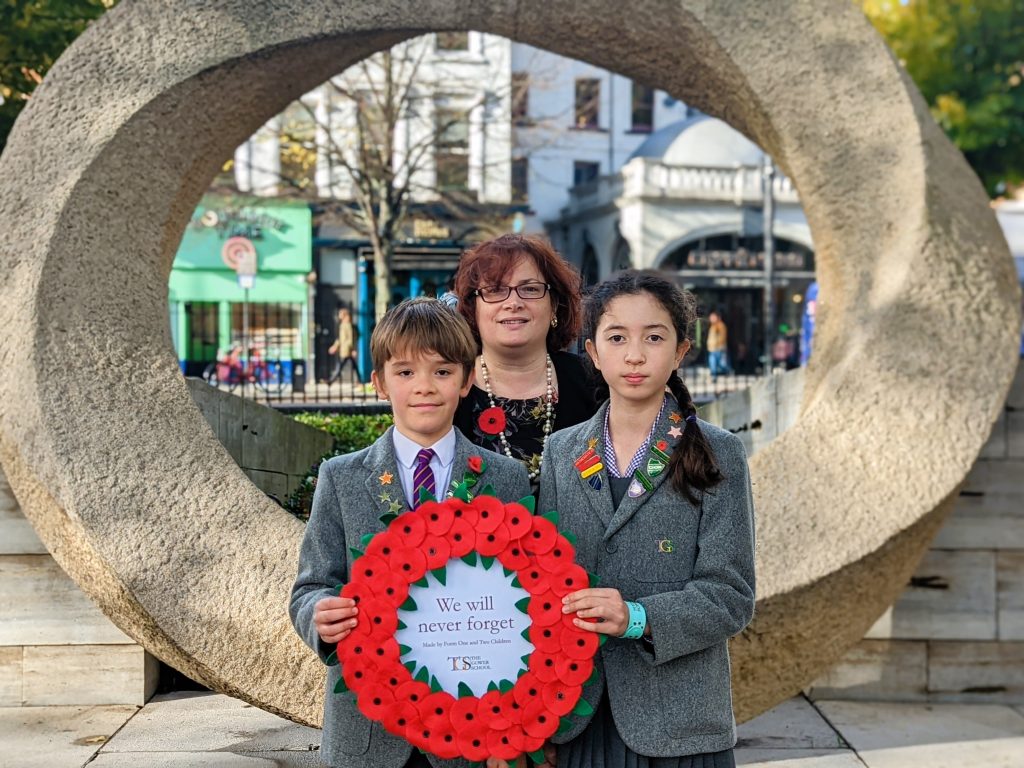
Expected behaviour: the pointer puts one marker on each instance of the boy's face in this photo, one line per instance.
(424, 390)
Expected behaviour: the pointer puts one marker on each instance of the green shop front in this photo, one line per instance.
(240, 286)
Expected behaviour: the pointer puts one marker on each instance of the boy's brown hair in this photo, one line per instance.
(423, 325)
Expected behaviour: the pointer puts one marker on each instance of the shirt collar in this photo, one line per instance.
(612, 461)
(406, 450)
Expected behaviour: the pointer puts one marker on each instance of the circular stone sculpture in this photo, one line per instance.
(136, 499)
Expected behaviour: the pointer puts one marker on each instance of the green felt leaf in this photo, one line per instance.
(583, 708)
(356, 553)
(505, 686)
(592, 678)
(486, 561)
(521, 672)
(425, 496)
(488, 490)
(570, 537)
(388, 517)
(492, 686)
(601, 640)
(332, 659)
(403, 649)
(507, 571)
(515, 582)
(551, 515)
(423, 676)
(522, 604)
(538, 756)
(366, 539)
(411, 666)
(340, 687)
(564, 726)
(421, 582)
(339, 588)
(441, 574)
(464, 691)
(435, 686)
(526, 634)
(595, 580)
(469, 559)
(401, 624)
(408, 605)
(525, 659)
(530, 503)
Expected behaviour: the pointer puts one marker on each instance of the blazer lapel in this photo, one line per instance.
(383, 482)
(595, 487)
(653, 467)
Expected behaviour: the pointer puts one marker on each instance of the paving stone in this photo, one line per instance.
(209, 760)
(1010, 594)
(982, 672)
(212, 722)
(796, 758)
(989, 514)
(57, 737)
(77, 675)
(889, 735)
(952, 597)
(40, 605)
(894, 670)
(793, 724)
(10, 676)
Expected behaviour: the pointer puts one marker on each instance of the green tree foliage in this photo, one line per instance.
(967, 58)
(33, 34)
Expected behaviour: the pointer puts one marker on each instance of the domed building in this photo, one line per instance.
(690, 202)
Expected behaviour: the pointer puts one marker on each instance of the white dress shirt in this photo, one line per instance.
(406, 451)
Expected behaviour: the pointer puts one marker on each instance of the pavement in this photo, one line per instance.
(207, 730)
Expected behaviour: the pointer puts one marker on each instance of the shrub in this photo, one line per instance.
(351, 432)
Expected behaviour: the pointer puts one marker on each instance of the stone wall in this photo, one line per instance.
(56, 646)
(957, 631)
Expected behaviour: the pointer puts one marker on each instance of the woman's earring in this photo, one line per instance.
(554, 321)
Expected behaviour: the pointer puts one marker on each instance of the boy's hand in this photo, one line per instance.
(550, 759)
(334, 618)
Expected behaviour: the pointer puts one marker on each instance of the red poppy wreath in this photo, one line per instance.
(500, 541)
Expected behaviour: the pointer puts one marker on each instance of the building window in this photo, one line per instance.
(584, 172)
(520, 180)
(520, 98)
(453, 41)
(451, 149)
(643, 109)
(297, 147)
(588, 101)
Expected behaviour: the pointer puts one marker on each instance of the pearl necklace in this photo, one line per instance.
(549, 409)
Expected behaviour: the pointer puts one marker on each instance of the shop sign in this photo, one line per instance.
(742, 259)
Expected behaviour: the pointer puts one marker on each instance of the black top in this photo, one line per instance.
(524, 419)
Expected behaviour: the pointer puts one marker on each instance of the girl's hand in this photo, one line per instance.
(550, 759)
(334, 618)
(605, 605)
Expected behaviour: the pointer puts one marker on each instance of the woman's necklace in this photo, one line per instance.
(549, 410)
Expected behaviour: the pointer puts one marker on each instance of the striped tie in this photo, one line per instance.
(423, 476)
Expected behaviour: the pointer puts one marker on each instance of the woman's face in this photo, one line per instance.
(516, 323)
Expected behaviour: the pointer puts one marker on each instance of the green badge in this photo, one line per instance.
(655, 467)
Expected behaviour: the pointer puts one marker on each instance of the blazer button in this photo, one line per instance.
(611, 546)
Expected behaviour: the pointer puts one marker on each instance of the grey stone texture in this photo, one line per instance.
(135, 497)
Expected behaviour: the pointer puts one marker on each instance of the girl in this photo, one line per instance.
(660, 502)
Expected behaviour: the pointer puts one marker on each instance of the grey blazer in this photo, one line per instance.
(349, 500)
(691, 567)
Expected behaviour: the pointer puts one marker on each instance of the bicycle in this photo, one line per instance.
(229, 372)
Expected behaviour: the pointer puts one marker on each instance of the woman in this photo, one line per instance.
(522, 301)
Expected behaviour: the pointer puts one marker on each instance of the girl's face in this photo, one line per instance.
(516, 323)
(635, 347)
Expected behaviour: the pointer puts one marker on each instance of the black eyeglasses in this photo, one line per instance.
(492, 294)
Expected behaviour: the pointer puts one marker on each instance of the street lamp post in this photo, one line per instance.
(767, 179)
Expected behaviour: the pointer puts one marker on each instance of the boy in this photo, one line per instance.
(423, 357)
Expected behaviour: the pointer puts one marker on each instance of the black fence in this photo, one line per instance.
(265, 359)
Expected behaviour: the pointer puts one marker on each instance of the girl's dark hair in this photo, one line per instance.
(692, 466)
(489, 262)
